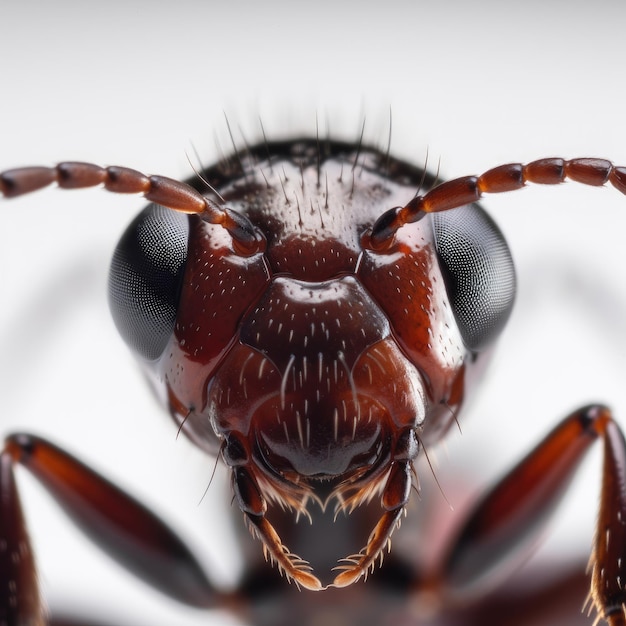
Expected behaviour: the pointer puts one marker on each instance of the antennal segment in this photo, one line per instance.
(468, 189)
(167, 192)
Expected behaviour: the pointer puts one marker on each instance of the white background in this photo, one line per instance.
(136, 83)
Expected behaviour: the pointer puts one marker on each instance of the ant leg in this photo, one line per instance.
(20, 598)
(538, 595)
(117, 523)
(511, 516)
(77, 621)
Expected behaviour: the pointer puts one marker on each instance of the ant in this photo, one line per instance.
(310, 319)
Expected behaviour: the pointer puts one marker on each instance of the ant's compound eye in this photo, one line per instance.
(146, 276)
(478, 270)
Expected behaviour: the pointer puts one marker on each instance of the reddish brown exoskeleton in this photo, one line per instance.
(314, 322)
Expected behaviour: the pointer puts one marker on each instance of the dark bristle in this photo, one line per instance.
(267, 182)
(388, 150)
(267, 147)
(236, 152)
(359, 147)
(326, 200)
(282, 184)
(223, 156)
(319, 153)
(420, 188)
(319, 211)
(300, 222)
(200, 175)
(249, 153)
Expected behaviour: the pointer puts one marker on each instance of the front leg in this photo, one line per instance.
(20, 597)
(515, 511)
(118, 524)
